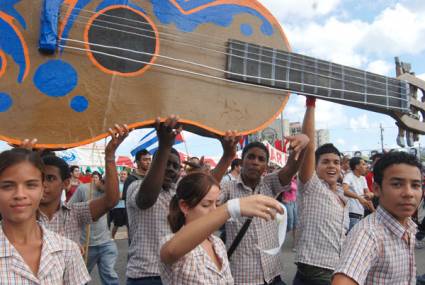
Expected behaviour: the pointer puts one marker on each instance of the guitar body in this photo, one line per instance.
(130, 62)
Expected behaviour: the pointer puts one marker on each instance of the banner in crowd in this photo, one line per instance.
(276, 157)
(90, 155)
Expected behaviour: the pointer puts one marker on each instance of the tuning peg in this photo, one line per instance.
(415, 137)
(409, 139)
(400, 141)
(400, 136)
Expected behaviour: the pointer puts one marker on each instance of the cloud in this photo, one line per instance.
(340, 143)
(361, 122)
(328, 114)
(301, 9)
(334, 40)
(380, 67)
(396, 30)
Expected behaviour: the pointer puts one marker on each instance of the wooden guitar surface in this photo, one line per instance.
(130, 62)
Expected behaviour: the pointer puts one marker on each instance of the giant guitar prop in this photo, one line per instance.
(70, 69)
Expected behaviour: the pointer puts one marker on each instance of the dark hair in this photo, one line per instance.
(47, 152)
(58, 162)
(15, 156)
(324, 149)
(258, 145)
(236, 162)
(191, 189)
(376, 156)
(140, 153)
(97, 173)
(173, 151)
(391, 158)
(354, 161)
(73, 167)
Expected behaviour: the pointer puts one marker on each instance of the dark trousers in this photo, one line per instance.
(421, 230)
(154, 280)
(276, 281)
(312, 275)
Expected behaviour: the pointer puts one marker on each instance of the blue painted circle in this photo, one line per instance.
(5, 102)
(79, 104)
(246, 30)
(267, 29)
(55, 78)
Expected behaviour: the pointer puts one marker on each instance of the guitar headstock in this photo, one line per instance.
(411, 124)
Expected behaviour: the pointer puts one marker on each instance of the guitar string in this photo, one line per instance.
(243, 83)
(293, 55)
(208, 37)
(231, 73)
(268, 63)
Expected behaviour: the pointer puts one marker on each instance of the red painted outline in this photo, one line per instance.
(71, 5)
(9, 20)
(254, 4)
(102, 68)
(3, 63)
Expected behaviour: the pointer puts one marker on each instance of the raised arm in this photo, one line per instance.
(194, 233)
(229, 143)
(151, 186)
(350, 194)
(101, 205)
(307, 168)
(297, 144)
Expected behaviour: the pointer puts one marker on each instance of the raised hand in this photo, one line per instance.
(28, 144)
(118, 134)
(168, 130)
(229, 143)
(260, 206)
(297, 143)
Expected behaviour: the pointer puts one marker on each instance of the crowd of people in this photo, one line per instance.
(190, 224)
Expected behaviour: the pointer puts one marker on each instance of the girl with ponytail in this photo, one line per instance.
(192, 254)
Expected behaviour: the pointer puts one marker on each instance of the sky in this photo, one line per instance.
(359, 33)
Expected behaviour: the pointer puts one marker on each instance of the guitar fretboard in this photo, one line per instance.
(301, 74)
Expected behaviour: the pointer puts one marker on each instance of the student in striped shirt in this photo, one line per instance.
(380, 248)
(192, 255)
(30, 253)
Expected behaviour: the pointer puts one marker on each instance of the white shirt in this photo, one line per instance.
(356, 185)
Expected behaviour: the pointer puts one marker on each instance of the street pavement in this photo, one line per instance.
(287, 256)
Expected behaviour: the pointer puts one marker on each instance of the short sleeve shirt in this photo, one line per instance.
(146, 228)
(69, 220)
(60, 263)
(379, 250)
(323, 220)
(356, 185)
(99, 231)
(248, 263)
(197, 268)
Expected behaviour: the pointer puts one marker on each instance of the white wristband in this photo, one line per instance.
(234, 208)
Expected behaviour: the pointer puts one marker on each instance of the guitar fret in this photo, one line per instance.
(343, 82)
(307, 75)
(386, 88)
(302, 74)
(365, 87)
(316, 78)
(245, 61)
(274, 68)
(288, 69)
(259, 65)
(330, 80)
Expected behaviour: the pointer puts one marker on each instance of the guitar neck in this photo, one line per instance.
(304, 75)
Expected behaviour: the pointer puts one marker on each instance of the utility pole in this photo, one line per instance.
(382, 137)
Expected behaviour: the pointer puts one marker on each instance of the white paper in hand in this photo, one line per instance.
(282, 223)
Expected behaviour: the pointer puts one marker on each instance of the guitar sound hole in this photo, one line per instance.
(122, 40)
